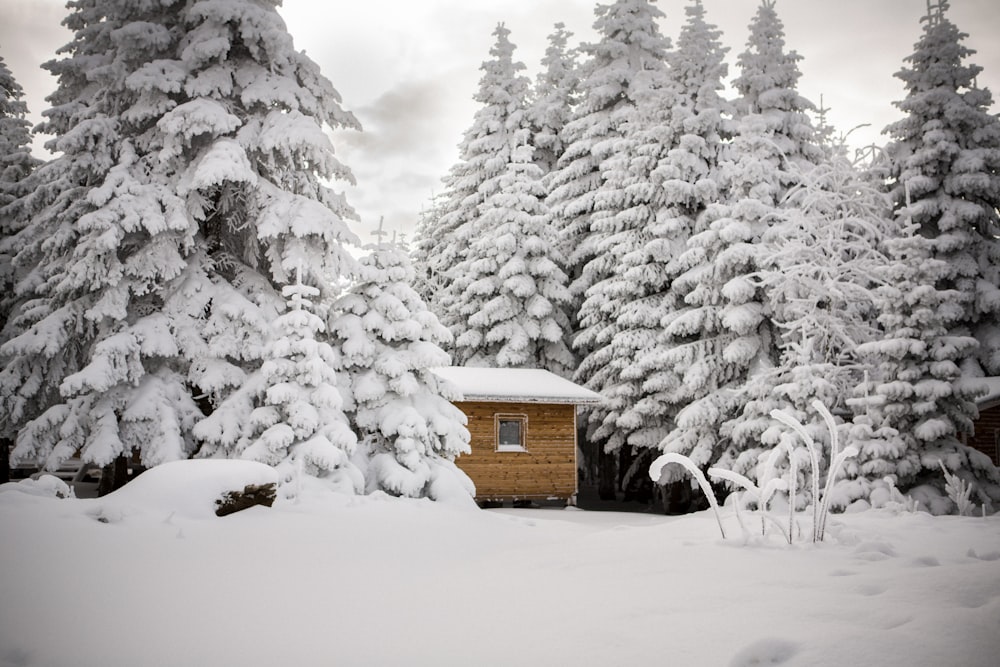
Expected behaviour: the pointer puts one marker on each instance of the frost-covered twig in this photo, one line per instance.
(672, 457)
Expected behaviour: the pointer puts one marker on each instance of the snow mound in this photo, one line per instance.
(183, 488)
(48, 486)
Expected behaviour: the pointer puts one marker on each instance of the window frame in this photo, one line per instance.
(522, 419)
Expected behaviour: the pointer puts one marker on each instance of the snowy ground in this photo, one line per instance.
(149, 576)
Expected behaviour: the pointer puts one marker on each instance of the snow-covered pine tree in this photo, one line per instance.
(300, 426)
(630, 51)
(626, 206)
(685, 182)
(915, 405)
(555, 94)
(724, 336)
(259, 163)
(945, 153)
(508, 291)
(627, 63)
(426, 252)
(189, 186)
(442, 236)
(820, 261)
(92, 367)
(16, 165)
(387, 342)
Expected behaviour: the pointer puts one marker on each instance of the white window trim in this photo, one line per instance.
(503, 416)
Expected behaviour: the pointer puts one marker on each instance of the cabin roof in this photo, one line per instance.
(992, 394)
(515, 385)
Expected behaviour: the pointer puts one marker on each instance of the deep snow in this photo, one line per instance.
(149, 576)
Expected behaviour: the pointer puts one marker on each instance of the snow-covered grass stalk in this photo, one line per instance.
(837, 459)
(672, 457)
(794, 424)
(821, 505)
(793, 479)
(763, 495)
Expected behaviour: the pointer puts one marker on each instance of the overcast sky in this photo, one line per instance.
(408, 68)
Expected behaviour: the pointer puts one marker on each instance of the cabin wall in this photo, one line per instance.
(546, 470)
(987, 432)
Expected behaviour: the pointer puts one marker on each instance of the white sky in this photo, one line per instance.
(408, 68)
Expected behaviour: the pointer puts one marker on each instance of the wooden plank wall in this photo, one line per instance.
(546, 470)
(987, 433)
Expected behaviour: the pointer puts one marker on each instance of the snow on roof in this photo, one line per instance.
(515, 385)
(992, 385)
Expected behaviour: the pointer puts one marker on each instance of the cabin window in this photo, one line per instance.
(510, 432)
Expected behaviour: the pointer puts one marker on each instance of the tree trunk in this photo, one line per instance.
(113, 476)
(5, 460)
(607, 475)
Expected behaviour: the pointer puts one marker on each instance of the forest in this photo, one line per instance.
(702, 260)
(180, 279)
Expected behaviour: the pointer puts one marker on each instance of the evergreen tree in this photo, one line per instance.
(16, 165)
(685, 181)
(508, 290)
(189, 187)
(821, 260)
(428, 249)
(915, 404)
(555, 95)
(598, 190)
(91, 367)
(300, 426)
(945, 153)
(724, 335)
(388, 342)
(627, 61)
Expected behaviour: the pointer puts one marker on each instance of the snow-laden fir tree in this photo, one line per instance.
(16, 165)
(685, 181)
(630, 49)
(555, 94)
(914, 404)
(821, 259)
(259, 190)
(442, 235)
(189, 186)
(508, 291)
(388, 342)
(945, 153)
(92, 368)
(626, 63)
(300, 426)
(724, 336)
(426, 251)
(625, 207)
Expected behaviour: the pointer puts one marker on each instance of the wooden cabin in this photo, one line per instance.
(986, 433)
(523, 428)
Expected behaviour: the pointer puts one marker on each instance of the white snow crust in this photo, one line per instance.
(375, 580)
